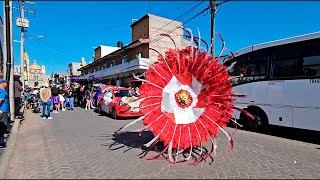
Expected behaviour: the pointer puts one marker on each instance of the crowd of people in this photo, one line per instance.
(5, 122)
(55, 96)
(59, 96)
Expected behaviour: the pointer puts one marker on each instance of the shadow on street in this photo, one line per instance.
(130, 140)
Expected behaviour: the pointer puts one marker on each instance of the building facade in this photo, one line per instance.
(73, 69)
(37, 75)
(117, 67)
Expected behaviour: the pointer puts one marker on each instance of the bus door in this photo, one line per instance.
(306, 112)
(307, 108)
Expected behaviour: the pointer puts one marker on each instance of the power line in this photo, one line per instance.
(193, 17)
(166, 12)
(188, 11)
(56, 49)
(18, 8)
(49, 54)
(118, 26)
(92, 30)
(218, 4)
(184, 23)
(48, 57)
(43, 48)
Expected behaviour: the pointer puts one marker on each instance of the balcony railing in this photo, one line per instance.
(136, 64)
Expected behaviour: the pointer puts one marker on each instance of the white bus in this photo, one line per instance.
(282, 81)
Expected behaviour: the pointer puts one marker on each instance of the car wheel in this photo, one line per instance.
(114, 114)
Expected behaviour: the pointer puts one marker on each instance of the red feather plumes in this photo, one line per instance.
(171, 89)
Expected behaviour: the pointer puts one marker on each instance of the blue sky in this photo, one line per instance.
(72, 29)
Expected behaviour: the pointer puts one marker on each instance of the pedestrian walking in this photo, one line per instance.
(96, 97)
(93, 93)
(4, 110)
(17, 95)
(81, 94)
(55, 101)
(61, 94)
(69, 99)
(87, 97)
(45, 96)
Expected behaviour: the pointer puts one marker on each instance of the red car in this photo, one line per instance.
(118, 102)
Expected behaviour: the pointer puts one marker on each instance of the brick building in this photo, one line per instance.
(116, 67)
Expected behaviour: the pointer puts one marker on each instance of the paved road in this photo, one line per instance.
(76, 145)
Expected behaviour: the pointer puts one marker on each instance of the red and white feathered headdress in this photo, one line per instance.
(186, 99)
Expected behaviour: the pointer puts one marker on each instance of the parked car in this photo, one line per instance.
(118, 102)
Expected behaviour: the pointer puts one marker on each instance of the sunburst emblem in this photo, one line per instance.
(186, 99)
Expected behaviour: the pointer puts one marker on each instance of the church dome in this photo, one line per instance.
(35, 66)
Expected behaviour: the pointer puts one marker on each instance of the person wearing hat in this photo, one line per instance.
(45, 96)
(4, 110)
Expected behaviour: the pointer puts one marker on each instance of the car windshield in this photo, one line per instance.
(122, 93)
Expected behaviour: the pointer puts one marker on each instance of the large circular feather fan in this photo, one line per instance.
(186, 99)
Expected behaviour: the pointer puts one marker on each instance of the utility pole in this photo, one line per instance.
(22, 45)
(23, 23)
(11, 82)
(213, 12)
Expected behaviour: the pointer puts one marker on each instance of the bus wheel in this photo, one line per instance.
(260, 119)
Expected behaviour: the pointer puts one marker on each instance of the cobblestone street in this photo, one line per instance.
(77, 145)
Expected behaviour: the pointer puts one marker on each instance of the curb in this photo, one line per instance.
(6, 155)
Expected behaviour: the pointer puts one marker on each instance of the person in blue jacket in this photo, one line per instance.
(98, 92)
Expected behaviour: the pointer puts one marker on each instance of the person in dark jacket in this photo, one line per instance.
(55, 98)
(17, 95)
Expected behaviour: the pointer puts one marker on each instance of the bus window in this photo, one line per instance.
(286, 62)
(311, 66)
(253, 66)
(285, 68)
(311, 58)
